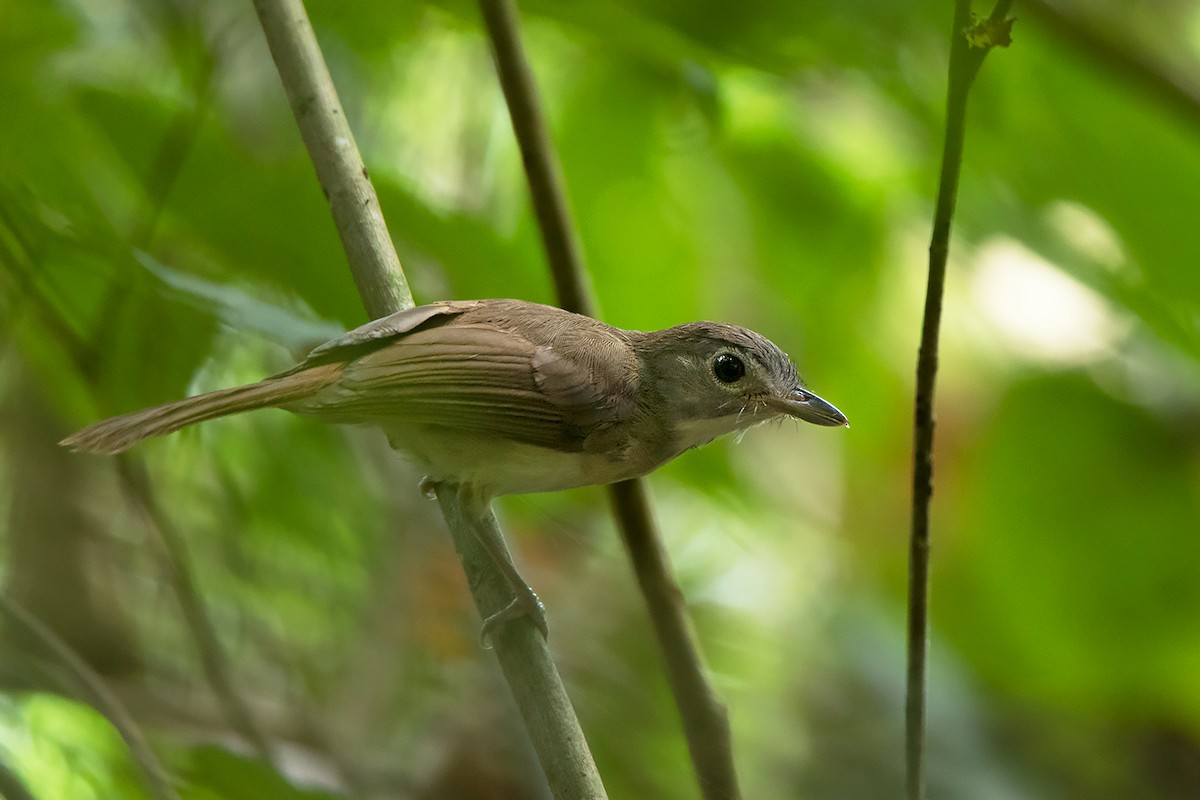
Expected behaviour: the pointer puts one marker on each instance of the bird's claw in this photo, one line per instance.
(474, 508)
(523, 604)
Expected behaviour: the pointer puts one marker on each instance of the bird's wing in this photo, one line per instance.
(378, 332)
(475, 378)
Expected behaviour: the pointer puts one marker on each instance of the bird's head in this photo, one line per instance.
(715, 379)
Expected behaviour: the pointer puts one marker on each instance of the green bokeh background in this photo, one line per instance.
(767, 163)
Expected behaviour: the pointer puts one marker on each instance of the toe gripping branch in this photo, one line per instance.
(475, 507)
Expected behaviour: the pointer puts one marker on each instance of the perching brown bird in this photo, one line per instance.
(505, 396)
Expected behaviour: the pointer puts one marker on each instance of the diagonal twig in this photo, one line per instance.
(522, 651)
(1172, 89)
(178, 564)
(705, 720)
(11, 787)
(158, 781)
(334, 154)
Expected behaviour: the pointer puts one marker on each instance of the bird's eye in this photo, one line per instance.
(728, 368)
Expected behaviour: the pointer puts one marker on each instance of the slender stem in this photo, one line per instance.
(965, 61)
(542, 170)
(536, 685)
(158, 781)
(522, 651)
(11, 787)
(340, 168)
(705, 720)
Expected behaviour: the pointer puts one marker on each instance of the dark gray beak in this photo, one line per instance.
(803, 404)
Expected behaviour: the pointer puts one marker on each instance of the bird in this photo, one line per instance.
(502, 396)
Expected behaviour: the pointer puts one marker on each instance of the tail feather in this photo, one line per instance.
(117, 434)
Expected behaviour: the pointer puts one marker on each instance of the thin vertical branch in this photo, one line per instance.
(521, 649)
(542, 170)
(158, 781)
(705, 719)
(970, 42)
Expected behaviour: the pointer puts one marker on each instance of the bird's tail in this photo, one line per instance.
(117, 434)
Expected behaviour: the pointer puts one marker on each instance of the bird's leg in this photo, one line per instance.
(477, 512)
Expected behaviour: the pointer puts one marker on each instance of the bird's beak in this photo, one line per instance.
(803, 404)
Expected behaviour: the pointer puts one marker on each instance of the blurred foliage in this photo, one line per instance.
(768, 163)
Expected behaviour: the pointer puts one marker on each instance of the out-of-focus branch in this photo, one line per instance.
(179, 570)
(705, 720)
(1172, 90)
(158, 782)
(542, 170)
(969, 44)
(180, 136)
(11, 787)
(521, 649)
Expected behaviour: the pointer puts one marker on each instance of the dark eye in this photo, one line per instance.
(728, 368)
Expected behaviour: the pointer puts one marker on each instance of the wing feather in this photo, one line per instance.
(474, 378)
(378, 332)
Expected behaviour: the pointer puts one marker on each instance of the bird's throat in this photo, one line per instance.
(696, 432)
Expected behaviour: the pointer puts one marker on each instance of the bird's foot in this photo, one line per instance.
(525, 603)
(428, 488)
(475, 511)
